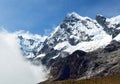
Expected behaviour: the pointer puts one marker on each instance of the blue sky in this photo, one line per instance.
(41, 16)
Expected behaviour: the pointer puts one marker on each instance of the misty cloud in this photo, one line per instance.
(13, 68)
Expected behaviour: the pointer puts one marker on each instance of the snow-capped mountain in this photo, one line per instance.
(113, 22)
(74, 33)
(76, 29)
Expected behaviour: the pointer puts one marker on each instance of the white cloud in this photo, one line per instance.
(40, 73)
(13, 68)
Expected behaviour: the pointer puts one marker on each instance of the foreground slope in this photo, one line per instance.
(111, 79)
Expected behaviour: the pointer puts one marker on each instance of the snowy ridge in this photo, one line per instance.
(74, 14)
(85, 46)
(30, 44)
(113, 21)
(28, 35)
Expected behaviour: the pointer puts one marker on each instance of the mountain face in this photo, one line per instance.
(111, 26)
(80, 64)
(80, 47)
(30, 44)
(73, 30)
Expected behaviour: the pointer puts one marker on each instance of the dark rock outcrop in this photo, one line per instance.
(113, 46)
(80, 64)
(101, 20)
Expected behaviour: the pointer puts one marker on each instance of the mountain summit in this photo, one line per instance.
(74, 33)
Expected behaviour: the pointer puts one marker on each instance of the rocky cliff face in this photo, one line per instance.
(80, 64)
(111, 26)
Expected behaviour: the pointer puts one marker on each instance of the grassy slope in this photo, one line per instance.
(114, 79)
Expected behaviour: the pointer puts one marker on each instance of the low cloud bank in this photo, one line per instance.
(13, 68)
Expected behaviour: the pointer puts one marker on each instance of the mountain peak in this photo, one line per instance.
(75, 15)
(99, 15)
(74, 33)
